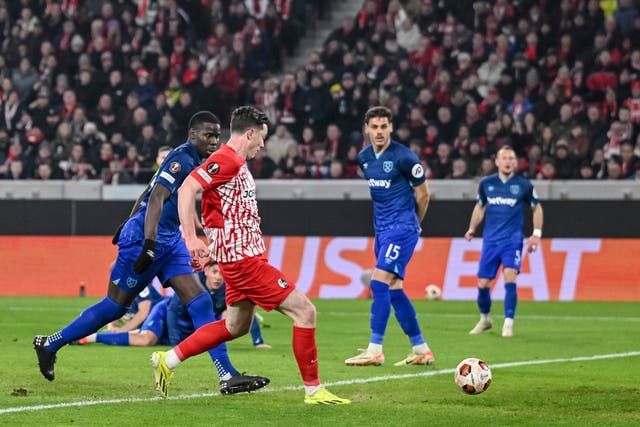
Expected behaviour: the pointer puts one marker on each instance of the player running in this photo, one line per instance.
(501, 200)
(150, 244)
(400, 199)
(232, 224)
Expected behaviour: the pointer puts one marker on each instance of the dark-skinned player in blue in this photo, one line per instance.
(150, 244)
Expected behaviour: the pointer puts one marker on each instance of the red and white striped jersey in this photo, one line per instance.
(229, 206)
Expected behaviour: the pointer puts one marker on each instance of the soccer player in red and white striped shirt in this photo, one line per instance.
(232, 224)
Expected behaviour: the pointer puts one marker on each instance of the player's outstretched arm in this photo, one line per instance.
(187, 213)
(538, 218)
(476, 218)
(155, 205)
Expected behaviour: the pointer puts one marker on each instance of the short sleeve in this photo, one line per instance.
(531, 195)
(217, 170)
(174, 171)
(482, 195)
(411, 168)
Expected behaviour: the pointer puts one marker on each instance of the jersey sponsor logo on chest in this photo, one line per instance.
(502, 201)
(379, 183)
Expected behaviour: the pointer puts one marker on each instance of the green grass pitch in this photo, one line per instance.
(547, 374)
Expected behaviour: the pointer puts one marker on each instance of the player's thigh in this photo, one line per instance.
(122, 274)
(175, 271)
(299, 308)
(490, 258)
(511, 258)
(239, 316)
(394, 249)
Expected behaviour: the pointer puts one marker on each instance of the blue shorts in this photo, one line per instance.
(394, 249)
(179, 325)
(507, 253)
(172, 259)
(156, 321)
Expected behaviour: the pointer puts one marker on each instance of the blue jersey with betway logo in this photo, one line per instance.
(391, 176)
(171, 174)
(504, 202)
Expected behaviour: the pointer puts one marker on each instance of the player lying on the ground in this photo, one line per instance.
(169, 322)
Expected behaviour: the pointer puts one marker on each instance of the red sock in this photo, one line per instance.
(204, 338)
(306, 352)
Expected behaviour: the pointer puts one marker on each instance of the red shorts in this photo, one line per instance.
(256, 280)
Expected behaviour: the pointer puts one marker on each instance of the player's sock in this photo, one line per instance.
(201, 311)
(204, 338)
(306, 353)
(256, 334)
(374, 348)
(406, 315)
(510, 300)
(89, 321)
(380, 311)
(113, 338)
(91, 338)
(484, 300)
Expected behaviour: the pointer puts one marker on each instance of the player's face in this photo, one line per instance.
(506, 162)
(213, 277)
(206, 138)
(379, 132)
(256, 140)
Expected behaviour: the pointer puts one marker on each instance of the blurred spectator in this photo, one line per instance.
(278, 144)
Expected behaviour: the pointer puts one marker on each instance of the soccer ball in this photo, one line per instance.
(473, 376)
(432, 292)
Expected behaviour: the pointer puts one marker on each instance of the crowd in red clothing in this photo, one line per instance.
(91, 89)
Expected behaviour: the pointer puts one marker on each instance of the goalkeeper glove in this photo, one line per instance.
(146, 257)
(116, 235)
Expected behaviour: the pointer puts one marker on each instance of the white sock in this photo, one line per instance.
(172, 360)
(420, 348)
(485, 316)
(310, 389)
(374, 348)
(91, 338)
(508, 322)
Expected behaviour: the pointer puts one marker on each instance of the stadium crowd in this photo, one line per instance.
(91, 89)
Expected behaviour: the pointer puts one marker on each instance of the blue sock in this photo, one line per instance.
(406, 315)
(484, 300)
(201, 311)
(256, 334)
(380, 311)
(89, 321)
(113, 338)
(510, 300)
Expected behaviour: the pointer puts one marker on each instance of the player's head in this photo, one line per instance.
(163, 152)
(204, 132)
(213, 276)
(250, 123)
(378, 127)
(506, 160)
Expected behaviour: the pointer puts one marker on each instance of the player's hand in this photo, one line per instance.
(532, 243)
(146, 257)
(469, 234)
(199, 264)
(116, 235)
(196, 247)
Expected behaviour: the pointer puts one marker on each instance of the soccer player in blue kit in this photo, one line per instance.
(501, 200)
(150, 244)
(400, 199)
